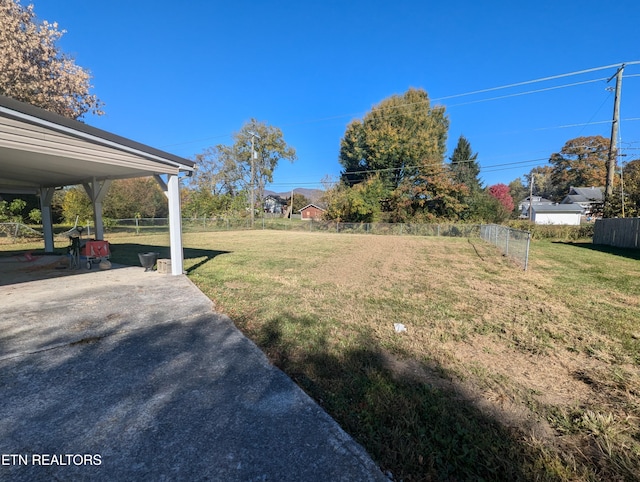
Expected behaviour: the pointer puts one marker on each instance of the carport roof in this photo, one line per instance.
(41, 149)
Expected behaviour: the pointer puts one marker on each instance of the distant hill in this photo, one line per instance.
(312, 195)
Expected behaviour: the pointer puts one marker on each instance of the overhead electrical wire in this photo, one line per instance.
(464, 94)
(491, 168)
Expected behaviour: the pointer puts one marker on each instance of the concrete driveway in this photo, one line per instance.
(127, 375)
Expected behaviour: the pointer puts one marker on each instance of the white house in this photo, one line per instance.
(568, 214)
(588, 198)
(523, 206)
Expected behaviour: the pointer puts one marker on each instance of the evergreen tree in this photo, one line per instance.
(465, 166)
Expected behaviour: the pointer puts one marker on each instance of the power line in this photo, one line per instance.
(492, 89)
(543, 79)
(517, 94)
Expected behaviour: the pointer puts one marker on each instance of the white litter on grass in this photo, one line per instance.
(399, 327)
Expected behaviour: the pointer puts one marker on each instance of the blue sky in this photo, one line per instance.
(183, 76)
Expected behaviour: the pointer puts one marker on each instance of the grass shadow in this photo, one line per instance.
(629, 253)
(413, 427)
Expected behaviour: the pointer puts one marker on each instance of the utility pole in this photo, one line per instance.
(611, 162)
(530, 196)
(254, 156)
(622, 188)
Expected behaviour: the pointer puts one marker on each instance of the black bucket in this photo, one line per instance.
(148, 260)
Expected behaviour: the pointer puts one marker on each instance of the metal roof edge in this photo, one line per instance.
(35, 115)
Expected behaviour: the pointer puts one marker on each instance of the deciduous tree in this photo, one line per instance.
(542, 178)
(631, 178)
(428, 195)
(218, 171)
(270, 148)
(225, 171)
(501, 193)
(395, 138)
(76, 204)
(401, 142)
(128, 198)
(34, 70)
(517, 190)
(357, 204)
(580, 163)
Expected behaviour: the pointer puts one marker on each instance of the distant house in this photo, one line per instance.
(590, 199)
(523, 206)
(568, 214)
(274, 204)
(311, 211)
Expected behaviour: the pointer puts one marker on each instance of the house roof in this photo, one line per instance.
(574, 199)
(556, 208)
(312, 205)
(587, 194)
(536, 200)
(41, 149)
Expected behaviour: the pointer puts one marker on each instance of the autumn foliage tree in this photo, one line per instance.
(34, 70)
(582, 162)
(223, 180)
(396, 137)
(631, 190)
(137, 197)
(361, 203)
(400, 143)
(501, 193)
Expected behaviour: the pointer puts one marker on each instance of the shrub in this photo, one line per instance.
(554, 231)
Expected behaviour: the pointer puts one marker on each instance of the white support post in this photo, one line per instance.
(97, 190)
(46, 196)
(175, 225)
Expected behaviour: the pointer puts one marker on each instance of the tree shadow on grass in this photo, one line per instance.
(416, 429)
(623, 252)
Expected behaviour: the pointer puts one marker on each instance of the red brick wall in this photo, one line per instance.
(311, 212)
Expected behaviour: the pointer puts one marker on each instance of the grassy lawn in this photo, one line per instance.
(501, 374)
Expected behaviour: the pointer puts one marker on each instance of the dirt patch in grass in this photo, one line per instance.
(501, 374)
(526, 350)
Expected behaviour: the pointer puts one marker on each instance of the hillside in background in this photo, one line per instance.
(313, 195)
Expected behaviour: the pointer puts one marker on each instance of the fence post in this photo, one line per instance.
(526, 256)
(438, 231)
(507, 243)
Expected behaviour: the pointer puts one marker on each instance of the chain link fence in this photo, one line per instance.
(18, 230)
(512, 242)
(156, 225)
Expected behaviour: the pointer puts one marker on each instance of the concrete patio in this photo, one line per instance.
(137, 374)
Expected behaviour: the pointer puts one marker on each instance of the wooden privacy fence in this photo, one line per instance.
(621, 233)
